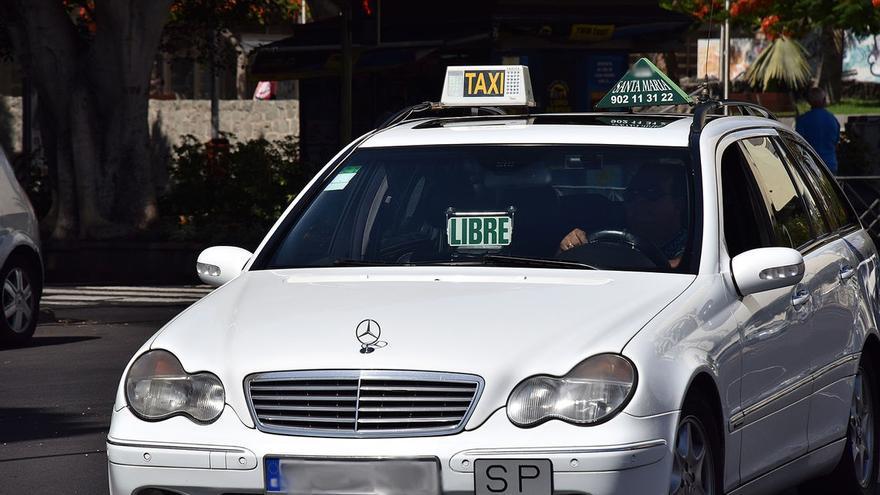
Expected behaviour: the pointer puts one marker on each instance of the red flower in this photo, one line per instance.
(768, 26)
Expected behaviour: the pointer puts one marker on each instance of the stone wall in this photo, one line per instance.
(171, 119)
(10, 123)
(245, 119)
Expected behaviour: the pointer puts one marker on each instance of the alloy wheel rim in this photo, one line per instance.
(693, 471)
(17, 300)
(861, 423)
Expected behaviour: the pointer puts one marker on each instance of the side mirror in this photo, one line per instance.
(220, 264)
(763, 269)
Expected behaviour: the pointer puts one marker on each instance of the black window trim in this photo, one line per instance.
(748, 157)
(765, 221)
(809, 246)
(793, 167)
(799, 167)
(843, 229)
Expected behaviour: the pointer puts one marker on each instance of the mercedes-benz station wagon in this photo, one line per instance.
(603, 303)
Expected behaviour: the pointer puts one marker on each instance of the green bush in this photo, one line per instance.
(234, 195)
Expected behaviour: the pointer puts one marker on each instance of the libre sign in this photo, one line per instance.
(479, 231)
(644, 85)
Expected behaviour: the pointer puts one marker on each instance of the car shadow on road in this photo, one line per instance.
(22, 424)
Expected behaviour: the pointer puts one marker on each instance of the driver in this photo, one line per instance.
(654, 202)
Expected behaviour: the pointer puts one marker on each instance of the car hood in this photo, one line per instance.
(503, 324)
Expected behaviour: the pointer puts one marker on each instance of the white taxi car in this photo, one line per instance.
(603, 303)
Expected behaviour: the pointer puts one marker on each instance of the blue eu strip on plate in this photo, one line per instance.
(273, 475)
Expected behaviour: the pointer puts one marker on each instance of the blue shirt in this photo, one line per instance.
(822, 130)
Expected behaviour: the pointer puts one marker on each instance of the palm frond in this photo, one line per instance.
(783, 62)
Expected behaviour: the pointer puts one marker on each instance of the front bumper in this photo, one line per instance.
(623, 456)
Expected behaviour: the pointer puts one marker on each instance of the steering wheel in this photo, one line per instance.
(630, 240)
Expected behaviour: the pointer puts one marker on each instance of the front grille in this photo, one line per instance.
(365, 403)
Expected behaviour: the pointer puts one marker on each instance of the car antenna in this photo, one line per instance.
(706, 94)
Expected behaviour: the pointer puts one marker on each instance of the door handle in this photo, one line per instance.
(800, 297)
(846, 272)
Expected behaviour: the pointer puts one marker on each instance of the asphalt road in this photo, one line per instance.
(57, 394)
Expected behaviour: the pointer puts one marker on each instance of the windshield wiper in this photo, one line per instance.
(503, 260)
(352, 262)
(489, 259)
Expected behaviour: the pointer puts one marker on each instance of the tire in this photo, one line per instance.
(856, 473)
(697, 459)
(19, 301)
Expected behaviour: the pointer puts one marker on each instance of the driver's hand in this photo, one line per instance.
(575, 238)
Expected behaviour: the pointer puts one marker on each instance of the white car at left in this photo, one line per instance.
(21, 268)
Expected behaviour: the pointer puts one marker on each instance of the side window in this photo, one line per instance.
(818, 223)
(746, 223)
(837, 209)
(791, 222)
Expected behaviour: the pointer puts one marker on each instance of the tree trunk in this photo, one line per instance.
(830, 69)
(47, 41)
(241, 64)
(94, 96)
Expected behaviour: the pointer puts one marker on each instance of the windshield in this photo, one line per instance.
(562, 206)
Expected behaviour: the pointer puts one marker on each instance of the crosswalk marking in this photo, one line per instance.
(203, 289)
(115, 293)
(81, 296)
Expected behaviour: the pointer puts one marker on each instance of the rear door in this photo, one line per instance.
(833, 333)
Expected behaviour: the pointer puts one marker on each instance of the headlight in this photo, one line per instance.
(591, 392)
(157, 387)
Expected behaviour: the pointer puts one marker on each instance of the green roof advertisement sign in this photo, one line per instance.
(644, 86)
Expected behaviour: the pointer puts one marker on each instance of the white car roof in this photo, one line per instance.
(584, 128)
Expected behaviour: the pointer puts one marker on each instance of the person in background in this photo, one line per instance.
(820, 128)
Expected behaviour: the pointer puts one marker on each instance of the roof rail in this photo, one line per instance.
(404, 114)
(703, 109)
(426, 106)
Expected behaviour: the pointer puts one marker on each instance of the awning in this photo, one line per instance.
(401, 32)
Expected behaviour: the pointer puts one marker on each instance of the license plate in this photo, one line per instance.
(513, 477)
(358, 476)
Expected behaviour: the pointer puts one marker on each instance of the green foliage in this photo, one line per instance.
(192, 24)
(781, 66)
(235, 198)
(221, 13)
(34, 179)
(848, 106)
(789, 17)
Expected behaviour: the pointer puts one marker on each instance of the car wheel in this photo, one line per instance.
(857, 471)
(695, 453)
(19, 302)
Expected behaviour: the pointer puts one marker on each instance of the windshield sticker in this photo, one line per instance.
(482, 231)
(342, 178)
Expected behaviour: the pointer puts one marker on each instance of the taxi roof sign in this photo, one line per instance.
(644, 85)
(487, 85)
